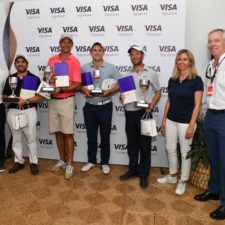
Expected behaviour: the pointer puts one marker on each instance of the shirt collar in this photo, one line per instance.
(103, 64)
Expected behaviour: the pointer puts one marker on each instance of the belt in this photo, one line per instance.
(104, 102)
(62, 98)
(25, 107)
(217, 111)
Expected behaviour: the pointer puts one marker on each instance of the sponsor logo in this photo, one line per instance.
(124, 30)
(157, 69)
(124, 68)
(83, 50)
(164, 90)
(33, 50)
(43, 106)
(70, 29)
(111, 10)
(80, 127)
(57, 12)
(153, 30)
(38, 124)
(54, 49)
(41, 68)
(155, 111)
(119, 108)
(45, 142)
(111, 50)
(83, 10)
(139, 10)
(167, 50)
(44, 31)
(168, 9)
(33, 13)
(153, 148)
(97, 30)
(120, 147)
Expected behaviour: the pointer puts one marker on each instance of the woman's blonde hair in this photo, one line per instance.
(192, 69)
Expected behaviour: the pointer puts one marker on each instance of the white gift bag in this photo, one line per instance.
(148, 125)
(20, 121)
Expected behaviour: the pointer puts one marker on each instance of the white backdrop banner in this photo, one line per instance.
(158, 25)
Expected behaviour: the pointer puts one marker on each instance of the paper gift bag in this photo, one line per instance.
(148, 125)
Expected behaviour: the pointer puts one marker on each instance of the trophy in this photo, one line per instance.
(143, 84)
(46, 86)
(97, 76)
(12, 84)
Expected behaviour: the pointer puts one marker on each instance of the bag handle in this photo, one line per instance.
(147, 115)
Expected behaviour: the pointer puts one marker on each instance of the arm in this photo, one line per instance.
(167, 106)
(35, 99)
(155, 99)
(198, 100)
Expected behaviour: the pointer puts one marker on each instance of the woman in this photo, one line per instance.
(182, 108)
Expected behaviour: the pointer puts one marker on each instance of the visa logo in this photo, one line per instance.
(57, 10)
(124, 28)
(168, 7)
(83, 9)
(110, 8)
(44, 30)
(70, 29)
(32, 11)
(139, 7)
(54, 48)
(96, 28)
(167, 48)
(32, 49)
(153, 27)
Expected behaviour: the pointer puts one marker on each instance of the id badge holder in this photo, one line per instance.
(209, 90)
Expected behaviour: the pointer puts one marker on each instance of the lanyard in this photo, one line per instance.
(208, 71)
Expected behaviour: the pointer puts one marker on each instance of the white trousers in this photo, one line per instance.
(176, 132)
(30, 134)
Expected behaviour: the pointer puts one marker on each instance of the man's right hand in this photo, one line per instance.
(86, 92)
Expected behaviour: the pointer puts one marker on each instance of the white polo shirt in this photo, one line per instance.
(3, 76)
(217, 99)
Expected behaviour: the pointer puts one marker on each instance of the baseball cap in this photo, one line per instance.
(21, 57)
(66, 35)
(137, 47)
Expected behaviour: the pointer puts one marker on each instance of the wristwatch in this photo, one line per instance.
(27, 101)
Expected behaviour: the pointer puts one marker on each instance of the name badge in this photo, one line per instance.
(210, 90)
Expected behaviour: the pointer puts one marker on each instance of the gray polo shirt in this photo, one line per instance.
(154, 86)
(107, 71)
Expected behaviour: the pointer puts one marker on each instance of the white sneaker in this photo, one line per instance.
(105, 169)
(87, 167)
(167, 180)
(58, 166)
(69, 172)
(181, 187)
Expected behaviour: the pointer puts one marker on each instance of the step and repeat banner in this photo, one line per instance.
(157, 25)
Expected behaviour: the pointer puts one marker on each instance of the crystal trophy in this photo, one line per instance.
(144, 85)
(97, 90)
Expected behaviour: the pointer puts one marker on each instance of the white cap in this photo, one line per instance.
(136, 47)
(66, 35)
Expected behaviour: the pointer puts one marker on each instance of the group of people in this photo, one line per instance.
(185, 92)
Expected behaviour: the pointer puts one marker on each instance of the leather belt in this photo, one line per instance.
(100, 103)
(217, 111)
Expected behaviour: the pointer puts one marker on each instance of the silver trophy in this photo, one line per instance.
(144, 85)
(97, 90)
(12, 84)
(47, 87)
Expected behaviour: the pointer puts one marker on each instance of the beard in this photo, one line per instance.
(137, 63)
(21, 69)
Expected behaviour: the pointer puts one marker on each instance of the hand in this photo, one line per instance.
(150, 107)
(53, 79)
(21, 102)
(86, 92)
(122, 97)
(189, 132)
(163, 127)
(106, 93)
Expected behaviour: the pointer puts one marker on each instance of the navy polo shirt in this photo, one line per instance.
(182, 98)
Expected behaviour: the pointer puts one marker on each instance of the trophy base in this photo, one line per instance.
(142, 105)
(47, 89)
(96, 92)
(11, 99)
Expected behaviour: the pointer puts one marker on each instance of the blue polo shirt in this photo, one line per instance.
(182, 98)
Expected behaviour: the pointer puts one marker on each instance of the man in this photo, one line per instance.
(98, 109)
(3, 77)
(62, 106)
(214, 123)
(29, 110)
(137, 143)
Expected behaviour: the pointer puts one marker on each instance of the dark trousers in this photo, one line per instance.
(137, 144)
(2, 133)
(214, 130)
(98, 116)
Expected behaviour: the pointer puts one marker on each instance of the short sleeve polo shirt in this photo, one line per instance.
(182, 98)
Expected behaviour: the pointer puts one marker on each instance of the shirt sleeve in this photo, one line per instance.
(76, 71)
(199, 86)
(155, 82)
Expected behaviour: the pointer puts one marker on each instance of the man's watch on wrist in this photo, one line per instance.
(27, 101)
